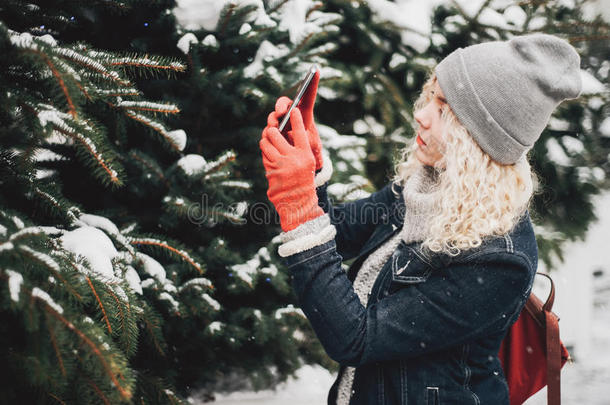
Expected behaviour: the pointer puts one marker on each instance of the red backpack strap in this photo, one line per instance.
(553, 348)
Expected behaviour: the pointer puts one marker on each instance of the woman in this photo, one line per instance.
(446, 253)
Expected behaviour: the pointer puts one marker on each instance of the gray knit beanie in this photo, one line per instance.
(504, 92)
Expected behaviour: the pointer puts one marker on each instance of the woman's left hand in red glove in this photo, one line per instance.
(306, 108)
(290, 171)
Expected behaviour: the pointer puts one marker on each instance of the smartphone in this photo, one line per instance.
(300, 92)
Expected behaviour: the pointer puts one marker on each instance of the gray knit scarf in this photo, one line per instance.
(420, 194)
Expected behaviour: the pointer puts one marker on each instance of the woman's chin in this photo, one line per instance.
(422, 158)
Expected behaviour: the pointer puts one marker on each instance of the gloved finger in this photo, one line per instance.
(273, 119)
(269, 151)
(289, 136)
(282, 105)
(299, 135)
(268, 165)
(277, 140)
(309, 99)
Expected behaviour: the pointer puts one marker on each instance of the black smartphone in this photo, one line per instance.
(300, 92)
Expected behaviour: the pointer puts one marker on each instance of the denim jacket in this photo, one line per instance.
(433, 324)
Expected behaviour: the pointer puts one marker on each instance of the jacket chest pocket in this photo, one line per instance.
(407, 267)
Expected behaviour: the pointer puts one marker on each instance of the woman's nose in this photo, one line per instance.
(420, 117)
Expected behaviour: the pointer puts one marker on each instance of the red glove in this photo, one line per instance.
(306, 106)
(290, 171)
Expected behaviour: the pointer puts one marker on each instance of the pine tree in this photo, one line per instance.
(210, 311)
(73, 309)
(87, 307)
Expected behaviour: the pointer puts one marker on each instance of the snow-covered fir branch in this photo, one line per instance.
(166, 246)
(149, 106)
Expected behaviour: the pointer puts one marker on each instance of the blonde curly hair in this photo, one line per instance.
(479, 197)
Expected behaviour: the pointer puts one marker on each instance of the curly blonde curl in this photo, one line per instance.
(479, 197)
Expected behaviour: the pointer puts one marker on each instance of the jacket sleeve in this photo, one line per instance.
(353, 221)
(456, 304)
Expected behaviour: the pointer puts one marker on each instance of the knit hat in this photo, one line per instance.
(504, 92)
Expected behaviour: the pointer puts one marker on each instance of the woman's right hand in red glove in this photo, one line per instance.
(306, 107)
(290, 172)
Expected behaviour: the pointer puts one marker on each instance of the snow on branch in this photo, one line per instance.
(147, 63)
(200, 281)
(164, 245)
(91, 64)
(117, 92)
(71, 127)
(176, 138)
(149, 106)
(225, 158)
(41, 258)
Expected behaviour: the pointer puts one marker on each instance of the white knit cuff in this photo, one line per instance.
(312, 233)
(327, 170)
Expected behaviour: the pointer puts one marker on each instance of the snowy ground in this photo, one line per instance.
(309, 388)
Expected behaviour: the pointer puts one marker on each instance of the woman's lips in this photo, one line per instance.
(420, 141)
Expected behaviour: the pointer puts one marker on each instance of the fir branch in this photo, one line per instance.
(97, 276)
(48, 197)
(96, 350)
(149, 327)
(316, 6)
(121, 314)
(222, 161)
(99, 301)
(228, 215)
(588, 38)
(132, 60)
(90, 147)
(148, 106)
(391, 88)
(322, 50)
(47, 261)
(300, 46)
(196, 282)
(62, 85)
(155, 242)
(236, 184)
(172, 397)
(147, 63)
(98, 391)
(118, 92)
(534, 3)
(42, 258)
(71, 289)
(83, 90)
(225, 19)
(277, 6)
(57, 353)
(150, 167)
(154, 125)
(59, 121)
(91, 64)
(217, 175)
(55, 397)
(33, 231)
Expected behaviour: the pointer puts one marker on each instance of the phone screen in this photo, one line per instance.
(300, 92)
